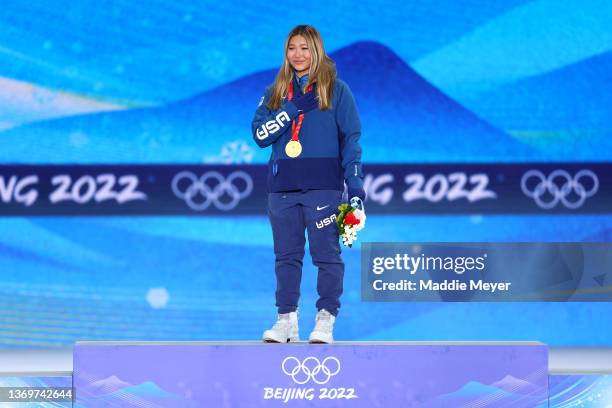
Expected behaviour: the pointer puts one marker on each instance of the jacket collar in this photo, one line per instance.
(299, 82)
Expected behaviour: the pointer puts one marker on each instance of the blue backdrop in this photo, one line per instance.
(177, 82)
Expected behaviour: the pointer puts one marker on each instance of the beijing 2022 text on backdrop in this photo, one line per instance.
(482, 122)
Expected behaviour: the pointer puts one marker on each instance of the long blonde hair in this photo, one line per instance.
(322, 69)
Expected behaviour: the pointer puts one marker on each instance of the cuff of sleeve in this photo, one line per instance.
(291, 109)
(356, 192)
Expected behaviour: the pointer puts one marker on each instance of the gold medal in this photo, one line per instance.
(293, 148)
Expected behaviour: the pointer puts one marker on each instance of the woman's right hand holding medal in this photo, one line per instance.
(307, 102)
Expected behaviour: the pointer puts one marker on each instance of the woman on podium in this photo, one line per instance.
(309, 118)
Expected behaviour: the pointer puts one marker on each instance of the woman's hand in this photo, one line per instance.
(357, 203)
(307, 102)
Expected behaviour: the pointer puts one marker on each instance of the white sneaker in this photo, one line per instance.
(285, 329)
(324, 328)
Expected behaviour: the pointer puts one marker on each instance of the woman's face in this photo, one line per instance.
(298, 54)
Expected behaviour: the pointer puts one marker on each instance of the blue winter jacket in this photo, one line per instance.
(331, 153)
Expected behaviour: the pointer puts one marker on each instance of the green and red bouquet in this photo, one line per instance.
(350, 220)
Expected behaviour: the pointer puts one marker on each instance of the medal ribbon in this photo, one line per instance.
(295, 129)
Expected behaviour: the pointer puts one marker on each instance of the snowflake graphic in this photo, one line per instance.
(236, 152)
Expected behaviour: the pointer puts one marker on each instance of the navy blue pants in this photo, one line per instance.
(291, 213)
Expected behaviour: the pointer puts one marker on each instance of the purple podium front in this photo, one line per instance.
(351, 374)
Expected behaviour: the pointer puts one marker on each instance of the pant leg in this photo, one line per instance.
(320, 210)
(287, 220)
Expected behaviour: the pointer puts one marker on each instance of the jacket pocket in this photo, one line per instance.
(274, 168)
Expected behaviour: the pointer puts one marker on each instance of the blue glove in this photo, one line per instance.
(306, 103)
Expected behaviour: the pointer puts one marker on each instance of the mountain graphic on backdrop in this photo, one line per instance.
(562, 111)
(573, 97)
(404, 119)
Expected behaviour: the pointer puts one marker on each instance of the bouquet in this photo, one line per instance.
(350, 220)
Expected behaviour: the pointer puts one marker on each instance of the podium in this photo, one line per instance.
(344, 374)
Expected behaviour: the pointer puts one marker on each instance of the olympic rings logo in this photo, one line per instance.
(311, 368)
(199, 193)
(559, 193)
